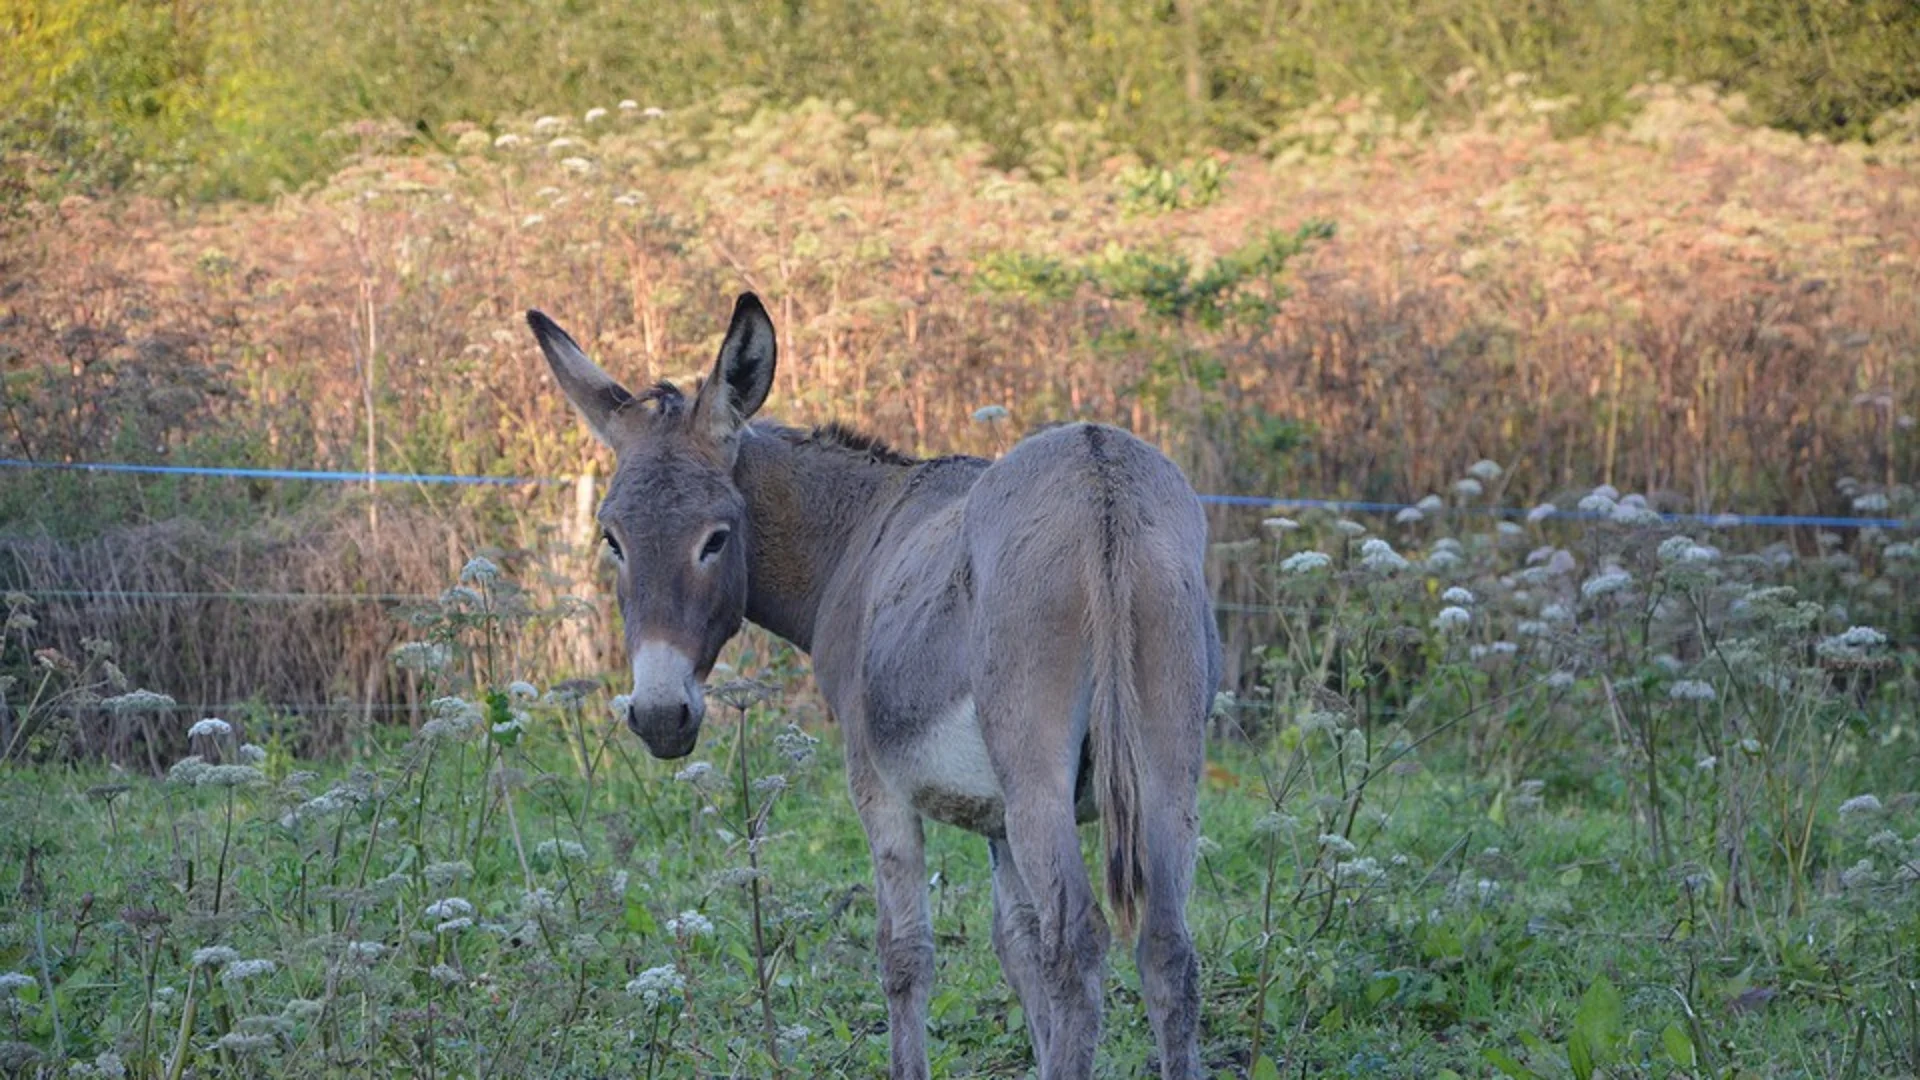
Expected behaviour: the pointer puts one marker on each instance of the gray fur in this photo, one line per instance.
(983, 632)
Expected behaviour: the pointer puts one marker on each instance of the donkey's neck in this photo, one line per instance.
(804, 502)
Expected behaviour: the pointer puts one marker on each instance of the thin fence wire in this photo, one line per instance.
(1272, 503)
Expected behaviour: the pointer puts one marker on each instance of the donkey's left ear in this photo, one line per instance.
(743, 373)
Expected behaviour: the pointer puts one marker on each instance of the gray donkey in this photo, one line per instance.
(1012, 647)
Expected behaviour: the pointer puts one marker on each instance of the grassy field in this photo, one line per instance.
(1588, 792)
(1638, 805)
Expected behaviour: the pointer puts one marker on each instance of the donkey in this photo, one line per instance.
(1011, 647)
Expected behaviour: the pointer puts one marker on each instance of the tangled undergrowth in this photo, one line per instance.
(1593, 793)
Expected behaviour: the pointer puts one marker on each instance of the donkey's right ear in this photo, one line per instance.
(592, 391)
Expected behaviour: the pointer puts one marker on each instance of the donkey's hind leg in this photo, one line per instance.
(1173, 703)
(1016, 939)
(1027, 700)
(903, 930)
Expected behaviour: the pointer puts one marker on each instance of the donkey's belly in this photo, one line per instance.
(946, 774)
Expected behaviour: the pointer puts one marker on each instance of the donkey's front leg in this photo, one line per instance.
(904, 930)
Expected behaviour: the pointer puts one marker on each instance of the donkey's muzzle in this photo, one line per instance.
(668, 730)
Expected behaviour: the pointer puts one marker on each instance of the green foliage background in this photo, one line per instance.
(212, 98)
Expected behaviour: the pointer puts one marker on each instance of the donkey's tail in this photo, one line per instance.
(1114, 730)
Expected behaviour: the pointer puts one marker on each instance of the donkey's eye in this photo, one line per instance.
(716, 543)
(612, 544)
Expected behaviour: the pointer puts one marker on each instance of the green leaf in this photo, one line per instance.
(1598, 1019)
(1679, 1046)
(640, 920)
(1580, 1055)
(1264, 1069)
(1503, 1061)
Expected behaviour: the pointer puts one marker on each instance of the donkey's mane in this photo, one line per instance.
(840, 438)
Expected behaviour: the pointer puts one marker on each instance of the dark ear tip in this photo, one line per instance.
(538, 321)
(748, 302)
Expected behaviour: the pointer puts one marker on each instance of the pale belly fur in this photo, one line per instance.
(948, 776)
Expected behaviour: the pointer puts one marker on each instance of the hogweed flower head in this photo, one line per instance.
(215, 956)
(1485, 470)
(240, 971)
(1457, 595)
(689, 925)
(1430, 504)
(1378, 555)
(479, 570)
(658, 986)
(1305, 562)
(1279, 524)
(211, 727)
(1452, 618)
(138, 701)
(1541, 513)
(1861, 806)
(1692, 690)
(1606, 583)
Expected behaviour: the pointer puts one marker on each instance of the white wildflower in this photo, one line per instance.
(507, 141)
(1410, 515)
(1337, 844)
(214, 956)
(1541, 513)
(451, 907)
(1860, 806)
(245, 1042)
(1605, 583)
(251, 754)
(1452, 618)
(1442, 560)
(363, 952)
(1560, 680)
(795, 745)
(576, 165)
(1692, 690)
(699, 774)
(1430, 504)
(1468, 488)
(421, 656)
(12, 982)
(1598, 504)
(1510, 529)
(230, 776)
(442, 874)
(1485, 470)
(1279, 524)
(548, 124)
(987, 414)
(446, 975)
(479, 570)
(596, 114)
(138, 701)
(1362, 871)
(1855, 644)
(453, 926)
(1377, 554)
(188, 770)
(560, 849)
(1872, 503)
(1349, 527)
(240, 971)
(521, 690)
(1305, 562)
(657, 986)
(211, 727)
(1860, 875)
(689, 925)
(629, 105)
(1457, 595)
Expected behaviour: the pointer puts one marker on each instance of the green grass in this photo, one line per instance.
(1486, 928)
(1528, 840)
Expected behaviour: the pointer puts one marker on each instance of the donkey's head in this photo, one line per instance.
(673, 519)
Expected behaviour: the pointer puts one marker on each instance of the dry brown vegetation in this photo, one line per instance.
(1718, 315)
